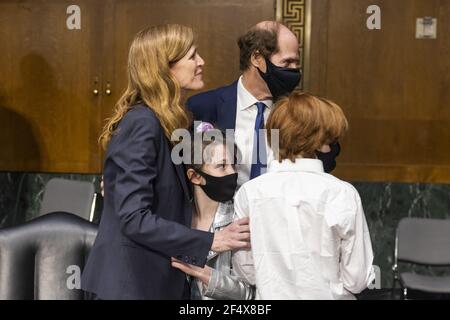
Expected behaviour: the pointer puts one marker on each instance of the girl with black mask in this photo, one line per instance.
(214, 182)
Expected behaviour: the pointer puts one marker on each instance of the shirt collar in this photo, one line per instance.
(246, 99)
(300, 164)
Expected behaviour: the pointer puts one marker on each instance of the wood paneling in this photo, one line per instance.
(394, 88)
(49, 119)
(217, 25)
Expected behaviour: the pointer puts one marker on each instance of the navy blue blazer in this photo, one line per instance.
(146, 217)
(219, 107)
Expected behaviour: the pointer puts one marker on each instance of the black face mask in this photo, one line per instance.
(281, 81)
(220, 189)
(329, 158)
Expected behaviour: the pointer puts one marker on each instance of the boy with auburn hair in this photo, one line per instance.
(309, 235)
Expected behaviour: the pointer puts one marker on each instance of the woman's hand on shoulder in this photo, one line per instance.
(234, 236)
(203, 274)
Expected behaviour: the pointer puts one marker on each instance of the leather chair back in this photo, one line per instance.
(43, 259)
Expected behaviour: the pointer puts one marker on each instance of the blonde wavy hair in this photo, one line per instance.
(153, 51)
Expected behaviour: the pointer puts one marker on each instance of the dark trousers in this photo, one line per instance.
(186, 293)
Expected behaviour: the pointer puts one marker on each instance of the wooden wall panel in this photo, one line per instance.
(217, 25)
(393, 88)
(49, 119)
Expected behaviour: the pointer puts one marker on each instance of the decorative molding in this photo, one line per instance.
(295, 14)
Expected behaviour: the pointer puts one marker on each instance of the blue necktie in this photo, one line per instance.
(259, 144)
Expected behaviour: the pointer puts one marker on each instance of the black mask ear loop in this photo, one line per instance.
(200, 174)
(265, 61)
(191, 185)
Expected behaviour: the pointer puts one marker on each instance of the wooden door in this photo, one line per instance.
(49, 118)
(217, 25)
(393, 87)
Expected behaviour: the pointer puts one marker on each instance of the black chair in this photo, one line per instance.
(62, 195)
(43, 259)
(424, 242)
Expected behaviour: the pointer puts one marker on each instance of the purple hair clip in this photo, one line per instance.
(204, 127)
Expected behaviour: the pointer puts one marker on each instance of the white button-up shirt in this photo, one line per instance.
(245, 126)
(309, 236)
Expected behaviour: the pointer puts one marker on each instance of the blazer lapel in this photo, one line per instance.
(181, 173)
(226, 113)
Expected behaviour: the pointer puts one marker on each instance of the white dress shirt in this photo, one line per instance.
(245, 126)
(309, 235)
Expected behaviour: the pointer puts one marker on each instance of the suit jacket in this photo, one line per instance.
(219, 107)
(146, 217)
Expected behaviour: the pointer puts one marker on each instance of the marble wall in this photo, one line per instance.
(21, 194)
(384, 204)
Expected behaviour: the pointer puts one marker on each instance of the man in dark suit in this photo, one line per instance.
(269, 60)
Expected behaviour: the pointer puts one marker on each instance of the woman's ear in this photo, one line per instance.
(194, 177)
(258, 61)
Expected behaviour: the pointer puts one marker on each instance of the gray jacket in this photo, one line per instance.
(224, 284)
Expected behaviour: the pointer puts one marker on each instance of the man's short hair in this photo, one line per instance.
(257, 39)
(305, 123)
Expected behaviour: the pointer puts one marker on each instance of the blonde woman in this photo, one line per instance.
(147, 205)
